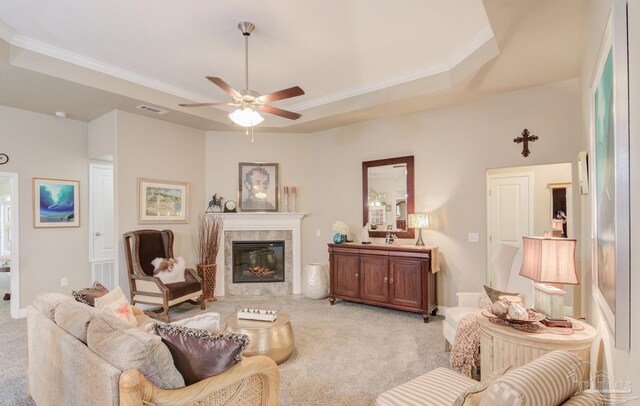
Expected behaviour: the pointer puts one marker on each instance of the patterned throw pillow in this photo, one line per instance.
(200, 354)
(116, 304)
(89, 295)
(495, 294)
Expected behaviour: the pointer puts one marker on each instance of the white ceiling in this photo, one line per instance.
(356, 59)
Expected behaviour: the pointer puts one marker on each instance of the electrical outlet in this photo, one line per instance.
(318, 233)
(474, 237)
(64, 282)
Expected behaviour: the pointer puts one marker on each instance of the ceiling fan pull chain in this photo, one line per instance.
(246, 60)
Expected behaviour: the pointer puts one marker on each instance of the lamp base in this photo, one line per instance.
(420, 242)
(549, 301)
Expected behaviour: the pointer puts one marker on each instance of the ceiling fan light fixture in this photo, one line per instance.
(246, 117)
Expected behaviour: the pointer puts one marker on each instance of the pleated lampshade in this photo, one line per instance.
(549, 260)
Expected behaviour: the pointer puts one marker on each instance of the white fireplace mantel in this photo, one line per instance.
(262, 222)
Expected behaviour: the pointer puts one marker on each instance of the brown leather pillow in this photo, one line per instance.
(199, 354)
(89, 295)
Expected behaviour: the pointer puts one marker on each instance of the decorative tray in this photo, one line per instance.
(257, 314)
(534, 316)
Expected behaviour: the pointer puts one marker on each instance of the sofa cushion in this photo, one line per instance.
(200, 354)
(473, 395)
(74, 318)
(89, 295)
(435, 388)
(548, 380)
(129, 348)
(48, 302)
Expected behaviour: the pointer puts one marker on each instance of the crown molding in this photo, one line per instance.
(62, 54)
(462, 53)
(6, 33)
(458, 56)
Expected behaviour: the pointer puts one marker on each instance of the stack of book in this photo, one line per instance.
(258, 314)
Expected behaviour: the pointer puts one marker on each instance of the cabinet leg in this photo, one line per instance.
(434, 311)
(425, 317)
(332, 300)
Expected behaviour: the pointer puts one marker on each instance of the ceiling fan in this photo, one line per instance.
(250, 102)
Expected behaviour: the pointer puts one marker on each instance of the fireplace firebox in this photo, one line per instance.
(258, 261)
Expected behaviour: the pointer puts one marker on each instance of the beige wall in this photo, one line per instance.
(43, 146)
(102, 137)
(621, 364)
(150, 148)
(453, 148)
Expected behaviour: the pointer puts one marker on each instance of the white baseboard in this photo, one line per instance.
(23, 313)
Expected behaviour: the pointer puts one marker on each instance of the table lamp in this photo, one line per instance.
(547, 260)
(419, 221)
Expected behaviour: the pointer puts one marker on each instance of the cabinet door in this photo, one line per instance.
(405, 283)
(345, 272)
(374, 278)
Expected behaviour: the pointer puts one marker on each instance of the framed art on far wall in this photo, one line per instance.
(258, 186)
(56, 203)
(162, 202)
(609, 116)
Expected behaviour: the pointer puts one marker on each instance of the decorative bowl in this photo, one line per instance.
(534, 316)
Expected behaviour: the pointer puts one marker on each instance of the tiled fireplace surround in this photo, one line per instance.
(260, 227)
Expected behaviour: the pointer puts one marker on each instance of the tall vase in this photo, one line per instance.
(207, 273)
(315, 281)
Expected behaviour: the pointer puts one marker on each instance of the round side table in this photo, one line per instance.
(273, 339)
(501, 346)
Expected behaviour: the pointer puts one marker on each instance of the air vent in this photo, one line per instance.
(152, 109)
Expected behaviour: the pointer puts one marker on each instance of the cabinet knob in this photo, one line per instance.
(356, 276)
(391, 280)
(385, 279)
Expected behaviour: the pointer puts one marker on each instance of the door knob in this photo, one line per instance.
(98, 234)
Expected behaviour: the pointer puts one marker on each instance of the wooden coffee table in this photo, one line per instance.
(273, 339)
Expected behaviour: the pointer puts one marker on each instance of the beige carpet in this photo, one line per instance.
(345, 354)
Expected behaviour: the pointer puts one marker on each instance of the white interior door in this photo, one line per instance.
(510, 216)
(102, 213)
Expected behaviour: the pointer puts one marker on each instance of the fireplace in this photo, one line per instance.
(258, 261)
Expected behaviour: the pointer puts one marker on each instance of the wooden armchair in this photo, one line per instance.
(143, 246)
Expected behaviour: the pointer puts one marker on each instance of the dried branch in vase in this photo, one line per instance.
(206, 240)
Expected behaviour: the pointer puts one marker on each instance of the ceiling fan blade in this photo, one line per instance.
(201, 104)
(281, 94)
(282, 113)
(225, 86)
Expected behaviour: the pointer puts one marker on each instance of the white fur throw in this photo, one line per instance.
(169, 270)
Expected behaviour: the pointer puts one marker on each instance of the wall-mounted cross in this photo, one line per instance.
(525, 139)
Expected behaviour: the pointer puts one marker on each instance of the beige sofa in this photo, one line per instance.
(547, 381)
(79, 356)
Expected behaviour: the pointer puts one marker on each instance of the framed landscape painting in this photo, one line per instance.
(56, 203)
(610, 149)
(161, 202)
(258, 187)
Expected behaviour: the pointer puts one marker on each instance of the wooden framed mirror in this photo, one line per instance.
(387, 196)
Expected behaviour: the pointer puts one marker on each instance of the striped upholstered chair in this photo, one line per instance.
(547, 381)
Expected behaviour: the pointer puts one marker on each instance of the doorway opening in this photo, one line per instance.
(9, 250)
(525, 201)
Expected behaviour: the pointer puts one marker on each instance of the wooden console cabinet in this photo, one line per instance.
(398, 277)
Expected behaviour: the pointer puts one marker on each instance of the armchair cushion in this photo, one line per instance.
(180, 289)
(152, 246)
